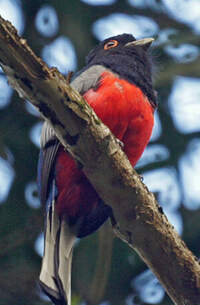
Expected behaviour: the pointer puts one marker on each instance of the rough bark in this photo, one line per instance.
(139, 219)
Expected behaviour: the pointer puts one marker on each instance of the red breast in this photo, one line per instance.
(129, 115)
(125, 109)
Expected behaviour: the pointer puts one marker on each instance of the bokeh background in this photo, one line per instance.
(62, 32)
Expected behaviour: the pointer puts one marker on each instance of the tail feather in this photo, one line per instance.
(55, 276)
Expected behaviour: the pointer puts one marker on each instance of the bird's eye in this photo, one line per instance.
(110, 44)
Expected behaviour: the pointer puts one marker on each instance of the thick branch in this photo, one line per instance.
(140, 220)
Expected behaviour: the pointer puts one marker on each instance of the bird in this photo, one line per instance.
(117, 82)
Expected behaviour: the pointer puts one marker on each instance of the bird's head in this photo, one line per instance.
(120, 45)
(127, 57)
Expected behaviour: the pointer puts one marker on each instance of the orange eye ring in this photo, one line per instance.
(110, 44)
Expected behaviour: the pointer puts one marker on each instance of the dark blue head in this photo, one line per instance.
(127, 57)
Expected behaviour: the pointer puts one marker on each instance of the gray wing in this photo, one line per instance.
(86, 79)
(48, 151)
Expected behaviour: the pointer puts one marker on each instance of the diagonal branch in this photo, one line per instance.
(139, 220)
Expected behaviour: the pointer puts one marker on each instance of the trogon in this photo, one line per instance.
(117, 83)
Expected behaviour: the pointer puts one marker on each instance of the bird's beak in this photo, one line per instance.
(144, 43)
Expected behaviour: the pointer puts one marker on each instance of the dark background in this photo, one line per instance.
(170, 165)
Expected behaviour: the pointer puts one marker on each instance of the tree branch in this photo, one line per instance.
(140, 221)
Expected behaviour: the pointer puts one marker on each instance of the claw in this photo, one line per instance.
(121, 144)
